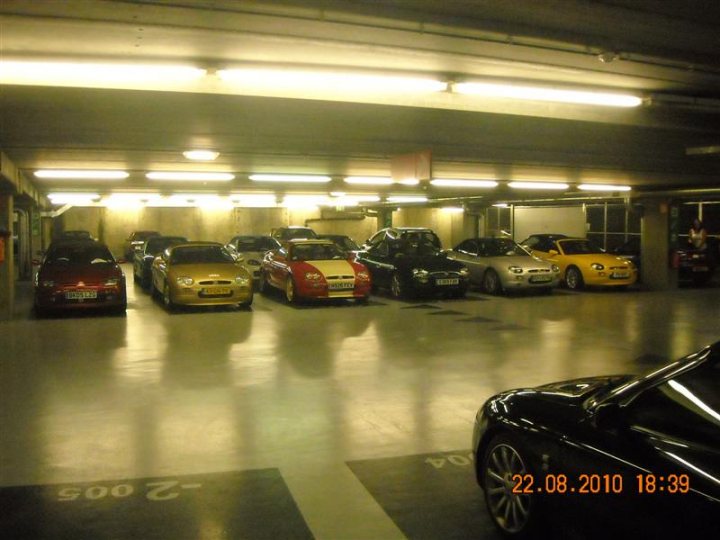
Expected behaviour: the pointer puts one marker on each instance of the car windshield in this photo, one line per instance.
(292, 234)
(142, 235)
(161, 243)
(200, 255)
(80, 255)
(504, 248)
(343, 242)
(579, 247)
(315, 252)
(254, 243)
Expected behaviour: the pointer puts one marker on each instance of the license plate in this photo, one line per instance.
(620, 275)
(700, 269)
(80, 295)
(453, 281)
(340, 286)
(216, 291)
(540, 279)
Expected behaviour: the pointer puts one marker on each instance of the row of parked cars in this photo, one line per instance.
(79, 272)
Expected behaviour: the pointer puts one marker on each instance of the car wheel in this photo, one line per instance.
(574, 279)
(491, 282)
(290, 293)
(514, 514)
(166, 298)
(396, 286)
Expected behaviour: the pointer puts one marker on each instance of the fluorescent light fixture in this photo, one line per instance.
(538, 93)
(201, 155)
(369, 180)
(78, 199)
(538, 185)
(69, 73)
(326, 81)
(308, 179)
(191, 176)
(603, 187)
(409, 182)
(82, 174)
(452, 182)
(453, 209)
(501, 205)
(406, 199)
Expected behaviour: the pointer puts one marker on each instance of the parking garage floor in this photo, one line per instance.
(327, 421)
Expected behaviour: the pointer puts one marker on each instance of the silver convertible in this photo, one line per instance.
(499, 264)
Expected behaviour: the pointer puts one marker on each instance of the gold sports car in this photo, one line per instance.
(581, 262)
(200, 274)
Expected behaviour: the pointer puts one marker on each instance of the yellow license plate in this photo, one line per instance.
(216, 291)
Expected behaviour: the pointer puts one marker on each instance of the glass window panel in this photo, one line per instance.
(616, 218)
(595, 215)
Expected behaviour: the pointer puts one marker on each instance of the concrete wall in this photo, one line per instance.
(112, 225)
(569, 220)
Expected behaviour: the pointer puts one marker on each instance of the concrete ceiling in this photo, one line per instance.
(665, 52)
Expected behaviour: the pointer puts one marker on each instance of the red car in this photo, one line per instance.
(314, 269)
(79, 275)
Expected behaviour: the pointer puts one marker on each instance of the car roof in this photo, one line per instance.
(196, 243)
(322, 241)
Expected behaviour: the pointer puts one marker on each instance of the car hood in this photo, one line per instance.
(518, 260)
(557, 405)
(203, 271)
(326, 268)
(431, 263)
(70, 274)
(601, 258)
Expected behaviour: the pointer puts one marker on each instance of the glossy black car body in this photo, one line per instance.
(410, 261)
(143, 258)
(664, 427)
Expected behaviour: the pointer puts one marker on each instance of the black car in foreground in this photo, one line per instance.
(409, 261)
(633, 457)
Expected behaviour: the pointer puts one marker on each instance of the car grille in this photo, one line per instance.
(539, 271)
(442, 275)
(618, 268)
(329, 278)
(215, 282)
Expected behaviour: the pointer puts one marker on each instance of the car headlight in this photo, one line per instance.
(312, 276)
(47, 283)
(362, 275)
(420, 274)
(464, 272)
(597, 266)
(185, 280)
(515, 269)
(242, 281)
(112, 282)
(555, 268)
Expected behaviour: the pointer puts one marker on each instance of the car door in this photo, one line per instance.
(467, 253)
(379, 263)
(160, 268)
(277, 267)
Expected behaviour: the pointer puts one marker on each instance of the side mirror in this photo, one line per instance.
(553, 252)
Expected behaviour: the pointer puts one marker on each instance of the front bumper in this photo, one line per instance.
(217, 295)
(62, 299)
(526, 280)
(609, 278)
(321, 289)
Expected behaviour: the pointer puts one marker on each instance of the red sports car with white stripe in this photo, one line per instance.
(310, 269)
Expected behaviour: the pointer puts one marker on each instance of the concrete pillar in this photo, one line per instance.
(7, 277)
(659, 239)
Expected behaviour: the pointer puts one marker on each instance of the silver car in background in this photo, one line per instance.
(499, 264)
(249, 250)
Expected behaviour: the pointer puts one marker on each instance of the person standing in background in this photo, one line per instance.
(698, 235)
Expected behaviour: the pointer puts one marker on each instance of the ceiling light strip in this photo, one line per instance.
(537, 93)
(309, 179)
(81, 174)
(191, 176)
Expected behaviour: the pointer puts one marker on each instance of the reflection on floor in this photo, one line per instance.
(318, 401)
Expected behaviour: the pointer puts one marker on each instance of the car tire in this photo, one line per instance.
(166, 298)
(491, 282)
(290, 291)
(514, 515)
(246, 304)
(396, 286)
(574, 279)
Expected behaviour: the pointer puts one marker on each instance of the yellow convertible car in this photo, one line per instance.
(200, 274)
(581, 262)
